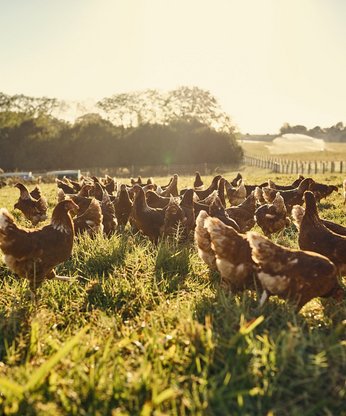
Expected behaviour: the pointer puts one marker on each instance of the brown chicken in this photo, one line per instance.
(221, 191)
(293, 185)
(258, 192)
(137, 182)
(291, 196)
(90, 220)
(234, 182)
(35, 210)
(203, 241)
(156, 201)
(149, 221)
(172, 188)
(206, 192)
(198, 184)
(174, 219)
(315, 236)
(66, 186)
(236, 195)
(322, 190)
(217, 210)
(233, 255)
(33, 254)
(187, 206)
(295, 275)
(298, 213)
(123, 206)
(109, 219)
(110, 185)
(272, 218)
(244, 214)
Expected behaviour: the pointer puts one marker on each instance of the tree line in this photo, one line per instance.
(145, 128)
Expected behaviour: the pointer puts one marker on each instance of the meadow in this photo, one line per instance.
(147, 330)
(332, 151)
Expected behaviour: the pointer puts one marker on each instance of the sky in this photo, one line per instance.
(266, 61)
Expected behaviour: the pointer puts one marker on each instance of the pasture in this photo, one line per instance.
(147, 330)
(332, 151)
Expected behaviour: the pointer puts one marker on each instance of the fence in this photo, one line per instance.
(278, 165)
(162, 170)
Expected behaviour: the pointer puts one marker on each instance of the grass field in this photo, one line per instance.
(333, 151)
(148, 331)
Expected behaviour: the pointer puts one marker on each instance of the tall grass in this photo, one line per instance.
(145, 329)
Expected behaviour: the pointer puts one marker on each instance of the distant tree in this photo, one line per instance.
(154, 107)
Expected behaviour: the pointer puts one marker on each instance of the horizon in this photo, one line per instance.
(266, 63)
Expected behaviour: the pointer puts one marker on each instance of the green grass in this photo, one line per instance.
(148, 331)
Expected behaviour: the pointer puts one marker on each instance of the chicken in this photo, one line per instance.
(198, 183)
(209, 199)
(187, 206)
(110, 185)
(83, 202)
(298, 213)
(258, 192)
(172, 188)
(291, 196)
(33, 254)
(76, 185)
(123, 206)
(173, 218)
(295, 275)
(293, 185)
(198, 207)
(109, 219)
(137, 182)
(84, 192)
(233, 255)
(244, 214)
(89, 221)
(322, 190)
(234, 182)
(206, 192)
(315, 236)
(156, 201)
(217, 210)
(272, 218)
(35, 210)
(203, 241)
(221, 191)
(150, 221)
(236, 195)
(66, 186)
(98, 191)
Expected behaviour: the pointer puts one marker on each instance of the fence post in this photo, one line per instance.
(341, 166)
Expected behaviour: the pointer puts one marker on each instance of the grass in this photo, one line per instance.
(332, 152)
(148, 331)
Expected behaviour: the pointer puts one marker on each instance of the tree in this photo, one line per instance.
(154, 107)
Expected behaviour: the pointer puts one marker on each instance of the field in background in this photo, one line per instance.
(147, 330)
(333, 151)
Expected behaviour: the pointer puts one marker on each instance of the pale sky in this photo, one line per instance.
(266, 61)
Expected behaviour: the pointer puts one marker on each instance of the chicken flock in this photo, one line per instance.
(219, 217)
